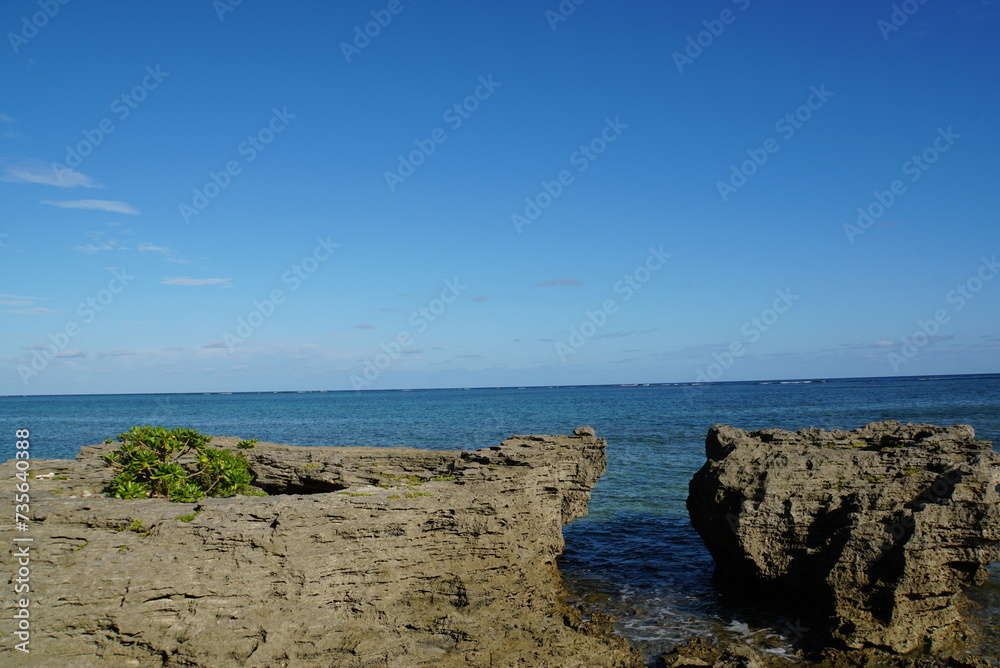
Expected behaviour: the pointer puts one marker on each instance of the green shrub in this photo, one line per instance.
(147, 465)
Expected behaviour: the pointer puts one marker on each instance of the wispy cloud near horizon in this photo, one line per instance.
(112, 206)
(21, 297)
(558, 282)
(109, 245)
(169, 254)
(186, 280)
(38, 310)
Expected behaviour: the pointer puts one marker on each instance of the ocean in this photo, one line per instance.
(635, 556)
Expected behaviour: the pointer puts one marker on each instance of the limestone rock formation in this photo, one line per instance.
(360, 557)
(871, 534)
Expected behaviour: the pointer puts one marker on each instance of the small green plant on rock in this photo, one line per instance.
(874, 478)
(135, 527)
(188, 518)
(147, 465)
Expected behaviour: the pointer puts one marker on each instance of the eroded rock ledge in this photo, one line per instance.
(387, 557)
(870, 534)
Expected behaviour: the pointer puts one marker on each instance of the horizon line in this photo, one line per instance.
(521, 387)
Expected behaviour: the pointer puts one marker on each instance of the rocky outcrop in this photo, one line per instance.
(380, 557)
(870, 534)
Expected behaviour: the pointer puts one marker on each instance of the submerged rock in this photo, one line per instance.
(388, 557)
(871, 535)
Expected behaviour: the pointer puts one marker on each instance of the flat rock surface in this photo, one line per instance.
(358, 557)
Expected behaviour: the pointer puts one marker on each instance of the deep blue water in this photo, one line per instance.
(635, 555)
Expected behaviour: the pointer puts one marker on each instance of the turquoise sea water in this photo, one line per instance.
(635, 556)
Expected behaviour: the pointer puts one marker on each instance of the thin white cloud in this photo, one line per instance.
(169, 254)
(110, 244)
(185, 280)
(558, 282)
(8, 133)
(23, 297)
(13, 302)
(71, 353)
(625, 332)
(113, 206)
(120, 352)
(43, 173)
(38, 310)
(882, 343)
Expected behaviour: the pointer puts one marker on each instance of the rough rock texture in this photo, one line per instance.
(871, 534)
(699, 653)
(361, 557)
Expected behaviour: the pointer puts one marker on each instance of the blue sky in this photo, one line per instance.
(494, 193)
